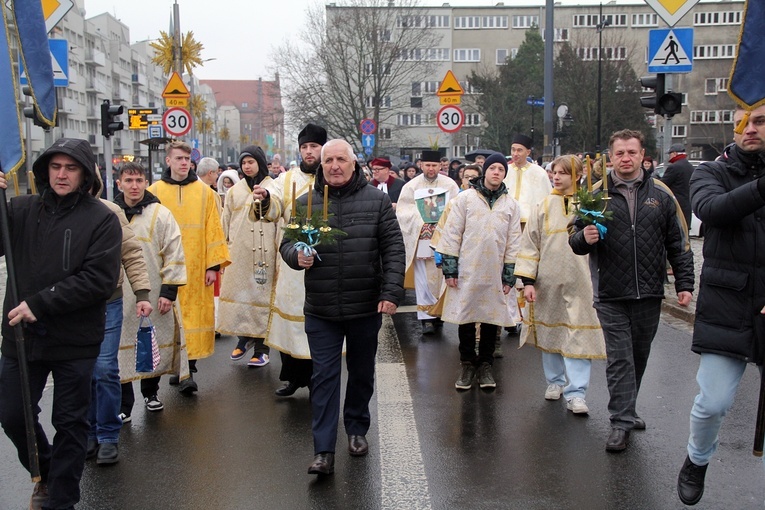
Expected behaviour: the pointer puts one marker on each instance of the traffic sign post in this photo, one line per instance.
(176, 121)
(670, 50)
(450, 118)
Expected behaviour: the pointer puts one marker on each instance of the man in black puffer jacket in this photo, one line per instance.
(628, 265)
(348, 285)
(729, 197)
(67, 250)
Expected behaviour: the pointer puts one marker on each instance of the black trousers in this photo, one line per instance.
(149, 387)
(296, 370)
(325, 338)
(466, 334)
(62, 463)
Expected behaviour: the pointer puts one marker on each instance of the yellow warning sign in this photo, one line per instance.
(175, 87)
(672, 10)
(450, 86)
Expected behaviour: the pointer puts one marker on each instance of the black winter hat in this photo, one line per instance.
(495, 158)
(431, 156)
(523, 140)
(312, 133)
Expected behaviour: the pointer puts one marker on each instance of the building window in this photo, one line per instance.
(495, 22)
(525, 21)
(711, 116)
(381, 69)
(647, 19)
(415, 102)
(467, 22)
(560, 34)
(679, 131)
(412, 54)
(384, 133)
(502, 54)
(371, 102)
(472, 119)
(616, 20)
(717, 18)
(714, 51)
(468, 87)
(416, 89)
(409, 21)
(430, 87)
(437, 21)
(467, 55)
(441, 54)
(714, 85)
(585, 20)
(459, 151)
(383, 35)
(608, 53)
(244, 105)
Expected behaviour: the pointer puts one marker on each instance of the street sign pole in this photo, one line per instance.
(108, 168)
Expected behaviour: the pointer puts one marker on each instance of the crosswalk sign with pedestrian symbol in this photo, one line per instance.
(670, 50)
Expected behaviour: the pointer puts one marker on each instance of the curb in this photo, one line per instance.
(686, 314)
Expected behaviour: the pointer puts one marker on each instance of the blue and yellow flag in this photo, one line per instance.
(34, 52)
(746, 86)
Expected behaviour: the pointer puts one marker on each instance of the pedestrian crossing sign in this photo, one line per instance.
(670, 50)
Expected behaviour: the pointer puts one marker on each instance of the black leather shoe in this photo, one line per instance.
(108, 453)
(289, 389)
(427, 328)
(639, 423)
(174, 380)
(92, 448)
(617, 441)
(358, 446)
(323, 464)
(690, 482)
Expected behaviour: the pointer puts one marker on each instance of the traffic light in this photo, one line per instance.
(109, 122)
(30, 112)
(662, 102)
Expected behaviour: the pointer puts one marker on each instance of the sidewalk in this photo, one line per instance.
(670, 305)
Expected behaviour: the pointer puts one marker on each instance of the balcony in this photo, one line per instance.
(68, 106)
(93, 112)
(139, 79)
(95, 58)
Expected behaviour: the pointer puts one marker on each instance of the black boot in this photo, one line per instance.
(690, 482)
(287, 390)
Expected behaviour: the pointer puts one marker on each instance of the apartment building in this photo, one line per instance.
(482, 38)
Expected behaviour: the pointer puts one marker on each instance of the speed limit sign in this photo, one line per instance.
(450, 118)
(176, 121)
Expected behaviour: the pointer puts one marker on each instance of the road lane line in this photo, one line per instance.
(404, 484)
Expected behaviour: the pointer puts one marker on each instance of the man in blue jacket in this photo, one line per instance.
(67, 250)
(729, 332)
(348, 285)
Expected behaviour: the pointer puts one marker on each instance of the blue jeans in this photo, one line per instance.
(557, 367)
(718, 378)
(106, 392)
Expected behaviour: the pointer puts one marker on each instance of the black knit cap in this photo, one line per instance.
(495, 158)
(431, 156)
(523, 140)
(312, 133)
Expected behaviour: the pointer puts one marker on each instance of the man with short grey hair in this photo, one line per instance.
(207, 171)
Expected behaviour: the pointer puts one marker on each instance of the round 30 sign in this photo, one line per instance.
(450, 118)
(176, 121)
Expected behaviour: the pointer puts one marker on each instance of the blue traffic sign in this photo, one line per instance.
(155, 131)
(535, 101)
(367, 150)
(59, 55)
(368, 141)
(670, 50)
(196, 155)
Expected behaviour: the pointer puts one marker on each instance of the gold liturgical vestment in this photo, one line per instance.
(195, 208)
(562, 320)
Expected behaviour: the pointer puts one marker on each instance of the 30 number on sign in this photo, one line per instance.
(176, 121)
(450, 118)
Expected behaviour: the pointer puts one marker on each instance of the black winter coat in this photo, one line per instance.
(67, 255)
(362, 268)
(630, 262)
(726, 198)
(677, 177)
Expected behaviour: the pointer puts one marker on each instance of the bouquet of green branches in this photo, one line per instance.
(306, 234)
(591, 209)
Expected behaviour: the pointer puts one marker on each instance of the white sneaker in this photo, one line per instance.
(577, 405)
(553, 392)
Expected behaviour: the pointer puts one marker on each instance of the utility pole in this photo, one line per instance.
(549, 129)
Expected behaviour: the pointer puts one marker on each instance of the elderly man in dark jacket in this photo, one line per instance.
(67, 250)
(729, 332)
(628, 264)
(677, 177)
(348, 285)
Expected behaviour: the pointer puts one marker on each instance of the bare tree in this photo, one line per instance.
(358, 61)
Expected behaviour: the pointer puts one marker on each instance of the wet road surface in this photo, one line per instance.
(235, 446)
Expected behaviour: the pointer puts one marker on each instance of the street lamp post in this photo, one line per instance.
(600, 26)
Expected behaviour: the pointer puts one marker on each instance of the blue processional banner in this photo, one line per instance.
(746, 85)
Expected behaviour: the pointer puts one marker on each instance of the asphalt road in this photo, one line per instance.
(235, 446)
